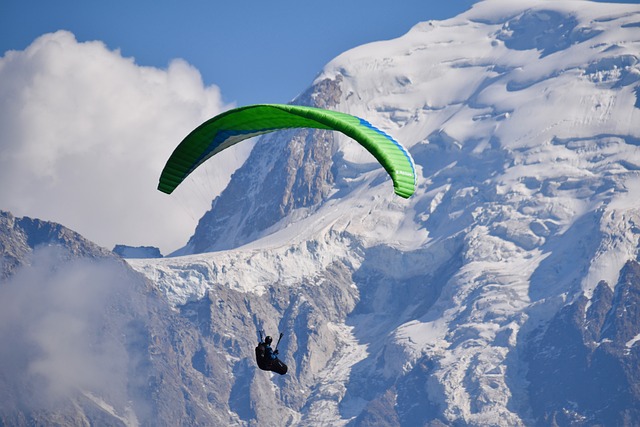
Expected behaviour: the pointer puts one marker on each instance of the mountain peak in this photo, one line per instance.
(20, 236)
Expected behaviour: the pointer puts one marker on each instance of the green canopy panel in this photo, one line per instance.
(233, 126)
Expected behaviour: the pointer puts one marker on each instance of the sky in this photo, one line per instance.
(94, 97)
(255, 51)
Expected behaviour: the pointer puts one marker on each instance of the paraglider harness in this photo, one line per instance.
(264, 357)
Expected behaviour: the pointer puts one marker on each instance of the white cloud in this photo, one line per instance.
(84, 134)
(60, 336)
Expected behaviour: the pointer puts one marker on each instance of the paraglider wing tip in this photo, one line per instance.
(165, 189)
(404, 195)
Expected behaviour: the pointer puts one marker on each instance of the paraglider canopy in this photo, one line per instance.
(233, 126)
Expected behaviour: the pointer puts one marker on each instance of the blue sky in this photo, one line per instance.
(254, 50)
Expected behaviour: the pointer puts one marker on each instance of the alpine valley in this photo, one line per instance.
(504, 292)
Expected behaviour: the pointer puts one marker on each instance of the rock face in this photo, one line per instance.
(583, 369)
(137, 252)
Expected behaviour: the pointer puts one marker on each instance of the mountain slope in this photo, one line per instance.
(583, 369)
(87, 341)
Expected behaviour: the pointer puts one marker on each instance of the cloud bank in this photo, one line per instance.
(63, 334)
(85, 132)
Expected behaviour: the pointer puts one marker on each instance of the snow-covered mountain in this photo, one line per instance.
(504, 292)
(523, 120)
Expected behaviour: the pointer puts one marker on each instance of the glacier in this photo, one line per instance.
(459, 305)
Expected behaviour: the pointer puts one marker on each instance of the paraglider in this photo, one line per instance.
(233, 126)
(267, 358)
